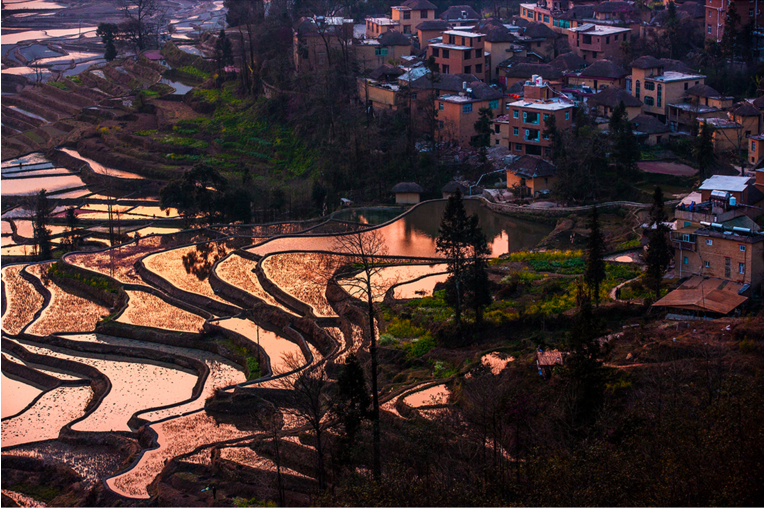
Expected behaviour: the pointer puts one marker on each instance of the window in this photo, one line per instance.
(451, 39)
(381, 51)
(709, 15)
(709, 241)
(445, 53)
(587, 39)
(467, 69)
(648, 101)
(742, 248)
(496, 128)
(515, 131)
(706, 264)
(496, 142)
(478, 53)
(741, 268)
(686, 86)
(547, 18)
(629, 85)
(531, 135)
(467, 108)
(423, 14)
(649, 85)
(444, 68)
(686, 237)
(530, 117)
(441, 106)
(727, 268)
(440, 124)
(407, 15)
(608, 40)
(407, 29)
(435, 52)
(478, 68)
(539, 44)
(686, 224)
(567, 114)
(518, 147)
(515, 113)
(547, 117)
(494, 104)
(658, 96)
(685, 260)
(637, 88)
(751, 15)
(753, 146)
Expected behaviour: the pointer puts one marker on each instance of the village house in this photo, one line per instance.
(429, 30)
(460, 15)
(526, 118)
(388, 47)
(749, 117)
(451, 188)
(648, 130)
(530, 175)
(607, 100)
(498, 45)
(509, 75)
(539, 39)
(407, 193)
(458, 113)
(461, 52)
(727, 135)
(717, 11)
(380, 25)
(700, 295)
(411, 13)
(557, 15)
(313, 37)
(380, 95)
(597, 42)
(569, 62)
(599, 74)
(616, 13)
(755, 150)
(699, 101)
(658, 88)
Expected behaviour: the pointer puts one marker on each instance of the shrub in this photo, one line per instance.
(149, 132)
(193, 71)
(253, 368)
(387, 339)
(59, 85)
(419, 347)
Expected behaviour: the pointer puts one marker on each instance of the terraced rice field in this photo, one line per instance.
(248, 457)
(44, 420)
(432, 396)
(136, 385)
(277, 348)
(387, 277)
(238, 271)
(22, 300)
(16, 395)
(295, 273)
(65, 312)
(170, 265)
(145, 309)
(175, 437)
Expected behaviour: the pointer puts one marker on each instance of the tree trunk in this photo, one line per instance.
(376, 470)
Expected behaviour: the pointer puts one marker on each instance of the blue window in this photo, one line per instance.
(441, 106)
(494, 104)
(381, 51)
(467, 108)
(515, 113)
(567, 115)
(515, 131)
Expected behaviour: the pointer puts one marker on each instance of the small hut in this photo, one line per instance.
(450, 189)
(547, 360)
(407, 193)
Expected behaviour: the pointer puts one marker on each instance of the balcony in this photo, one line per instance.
(679, 244)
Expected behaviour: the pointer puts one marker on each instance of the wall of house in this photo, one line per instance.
(459, 126)
(310, 51)
(426, 35)
(457, 61)
(755, 151)
(365, 55)
(716, 255)
(545, 48)
(381, 98)
(415, 18)
(729, 139)
(374, 30)
(518, 145)
(671, 92)
(601, 46)
(498, 55)
(606, 111)
(595, 82)
(407, 198)
(751, 125)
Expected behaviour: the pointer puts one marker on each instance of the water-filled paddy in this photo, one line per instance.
(22, 186)
(136, 385)
(496, 362)
(145, 309)
(35, 159)
(100, 168)
(432, 396)
(296, 274)
(22, 300)
(237, 271)
(388, 277)
(44, 420)
(65, 312)
(419, 288)
(16, 395)
(277, 348)
(175, 437)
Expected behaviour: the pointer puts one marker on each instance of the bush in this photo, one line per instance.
(194, 72)
(419, 347)
(253, 368)
(387, 339)
(59, 85)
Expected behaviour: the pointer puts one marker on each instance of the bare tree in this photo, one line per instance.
(140, 16)
(311, 402)
(367, 252)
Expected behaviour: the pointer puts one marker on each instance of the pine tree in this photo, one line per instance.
(353, 404)
(595, 270)
(482, 139)
(704, 149)
(660, 252)
(452, 242)
(673, 26)
(108, 33)
(41, 231)
(478, 290)
(552, 133)
(625, 150)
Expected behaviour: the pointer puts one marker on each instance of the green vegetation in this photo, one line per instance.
(192, 71)
(253, 368)
(98, 282)
(149, 132)
(59, 85)
(180, 141)
(41, 492)
(75, 79)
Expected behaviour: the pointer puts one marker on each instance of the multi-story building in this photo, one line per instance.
(411, 13)
(597, 42)
(539, 39)
(461, 52)
(499, 44)
(458, 113)
(749, 117)
(380, 25)
(657, 88)
(509, 75)
(755, 150)
(557, 15)
(312, 37)
(717, 12)
(390, 46)
(526, 118)
(429, 30)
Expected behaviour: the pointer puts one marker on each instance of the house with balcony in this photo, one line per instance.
(379, 25)
(657, 88)
(597, 42)
(461, 52)
(526, 118)
(699, 101)
(558, 15)
(411, 13)
(458, 112)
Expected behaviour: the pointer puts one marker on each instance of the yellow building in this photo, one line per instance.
(656, 88)
(407, 193)
(530, 175)
(411, 13)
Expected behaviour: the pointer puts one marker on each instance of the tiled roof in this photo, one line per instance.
(645, 62)
(745, 109)
(568, 62)
(531, 166)
(675, 66)
(455, 12)
(614, 7)
(604, 69)
(578, 12)
(611, 96)
(407, 187)
(648, 125)
(539, 31)
(526, 70)
(433, 24)
(419, 5)
(702, 91)
(394, 38)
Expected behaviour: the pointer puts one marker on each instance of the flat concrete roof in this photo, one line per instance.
(548, 105)
(726, 183)
(674, 76)
(592, 29)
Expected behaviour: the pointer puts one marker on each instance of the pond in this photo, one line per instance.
(415, 233)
